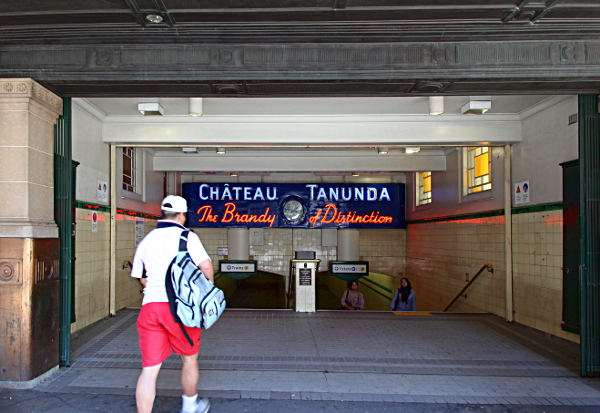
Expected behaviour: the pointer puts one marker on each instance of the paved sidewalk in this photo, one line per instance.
(475, 359)
(31, 401)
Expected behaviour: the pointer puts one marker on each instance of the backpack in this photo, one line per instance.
(193, 299)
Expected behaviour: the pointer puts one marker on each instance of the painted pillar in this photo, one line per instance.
(29, 247)
(348, 245)
(238, 244)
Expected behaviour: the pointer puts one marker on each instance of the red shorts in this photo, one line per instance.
(158, 334)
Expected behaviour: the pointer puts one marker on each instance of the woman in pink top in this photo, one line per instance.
(352, 299)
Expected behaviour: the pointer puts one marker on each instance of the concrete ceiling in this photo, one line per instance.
(283, 154)
(276, 48)
(514, 104)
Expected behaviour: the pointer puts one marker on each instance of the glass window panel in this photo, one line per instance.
(129, 166)
(126, 165)
(423, 184)
(482, 165)
(427, 184)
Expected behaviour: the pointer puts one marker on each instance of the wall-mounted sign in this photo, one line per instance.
(237, 266)
(238, 270)
(522, 192)
(222, 251)
(139, 231)
(305, 276)
(102, 191)
(349, 270)
(94, 221)
(295, 205)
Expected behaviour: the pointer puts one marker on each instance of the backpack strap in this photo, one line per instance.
(183, 239)
(187, 336)
(171, 292)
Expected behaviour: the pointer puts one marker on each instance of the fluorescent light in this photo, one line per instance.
(411, 150)
(476, 107)
(154, 18)
(195, 107)
(355, 174)
(221, 151)
(150, 109)
(436, 105)
(189, 150)
(234, 174)
(382, 150)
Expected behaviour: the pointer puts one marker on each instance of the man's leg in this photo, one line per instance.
(190, 375)
(145, 391)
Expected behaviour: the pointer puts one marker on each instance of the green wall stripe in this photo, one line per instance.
(371, 288)
(91, 206)
(379, 285)
(494, 213)
(105, 208)
(537, 208)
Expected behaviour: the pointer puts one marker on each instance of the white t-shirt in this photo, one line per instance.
(155, 253)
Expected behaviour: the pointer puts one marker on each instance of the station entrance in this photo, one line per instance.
(389, 91)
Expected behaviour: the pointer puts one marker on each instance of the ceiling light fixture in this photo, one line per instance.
(436, 105)
(195, 107)
(411, 150)
(234, 174)
(476, 107)
(355, 174)
(154, 18)
(382, 150)
(150, 109)
(189, 150)
(221, 151)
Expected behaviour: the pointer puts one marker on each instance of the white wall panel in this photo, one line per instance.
(315, 130)
(548, 140)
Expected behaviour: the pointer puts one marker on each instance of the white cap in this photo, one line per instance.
(174, 203)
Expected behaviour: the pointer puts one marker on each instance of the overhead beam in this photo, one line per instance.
(344, 69)
(315, 130)
(245, 161)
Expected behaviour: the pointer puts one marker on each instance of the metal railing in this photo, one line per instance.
(485, 266)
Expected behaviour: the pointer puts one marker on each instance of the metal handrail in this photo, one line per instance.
(489, 269)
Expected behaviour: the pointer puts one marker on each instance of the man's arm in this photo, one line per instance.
(207, 268)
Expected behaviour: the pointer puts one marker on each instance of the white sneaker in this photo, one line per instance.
(201, 407)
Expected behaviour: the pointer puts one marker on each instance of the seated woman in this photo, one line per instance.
(405, 298)
(352, 299)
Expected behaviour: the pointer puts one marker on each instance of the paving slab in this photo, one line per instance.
(458, 359)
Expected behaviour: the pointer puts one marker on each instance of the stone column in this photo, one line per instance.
(29, 245)
(28, 113)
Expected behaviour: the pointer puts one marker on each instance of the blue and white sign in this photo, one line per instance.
(295, 205)
(238, 270)
(247, 266)
(342, 268)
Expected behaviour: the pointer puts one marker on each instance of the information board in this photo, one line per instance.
(305, 276)
(295, 205)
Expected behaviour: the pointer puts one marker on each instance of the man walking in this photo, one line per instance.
(158, 333)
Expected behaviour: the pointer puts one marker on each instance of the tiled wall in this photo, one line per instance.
(537, 275)
(212, 239)
(127, 288)
(92, 266)
(277, 250)
(384, 249)
(441, 254)
(92, 250)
